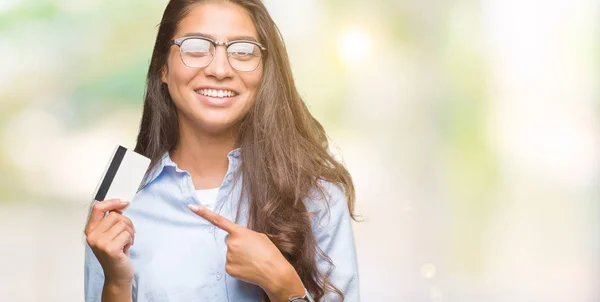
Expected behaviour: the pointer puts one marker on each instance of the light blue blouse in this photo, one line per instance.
(180, 257)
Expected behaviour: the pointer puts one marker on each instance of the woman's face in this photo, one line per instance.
(222, 22)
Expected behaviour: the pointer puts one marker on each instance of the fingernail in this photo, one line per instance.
(193, 207)
(123, 201)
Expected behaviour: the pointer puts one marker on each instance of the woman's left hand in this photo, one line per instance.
(252, 257)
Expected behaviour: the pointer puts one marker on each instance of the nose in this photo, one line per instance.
(219, 67)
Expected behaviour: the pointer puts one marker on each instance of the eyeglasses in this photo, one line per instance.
(198, 52)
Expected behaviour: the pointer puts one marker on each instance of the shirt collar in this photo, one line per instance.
(166, 161)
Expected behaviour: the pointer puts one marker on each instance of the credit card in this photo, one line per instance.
(123, 175)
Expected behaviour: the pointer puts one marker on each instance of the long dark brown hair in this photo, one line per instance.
(284, 149)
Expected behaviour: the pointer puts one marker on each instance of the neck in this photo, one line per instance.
(204, 155)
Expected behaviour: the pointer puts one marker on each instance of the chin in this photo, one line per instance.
(216, 126)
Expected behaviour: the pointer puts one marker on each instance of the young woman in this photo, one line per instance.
(242, 201)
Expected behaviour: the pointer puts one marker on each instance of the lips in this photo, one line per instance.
(222, 98)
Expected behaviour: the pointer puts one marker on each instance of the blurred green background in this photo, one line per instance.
(471, 129)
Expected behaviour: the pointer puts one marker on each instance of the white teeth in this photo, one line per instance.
(216, 93)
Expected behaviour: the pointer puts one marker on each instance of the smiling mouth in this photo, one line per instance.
(216, 93)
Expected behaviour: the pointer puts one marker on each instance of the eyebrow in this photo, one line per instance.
(235, 38)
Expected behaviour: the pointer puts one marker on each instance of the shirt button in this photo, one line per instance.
(210, 230)
(219, 276)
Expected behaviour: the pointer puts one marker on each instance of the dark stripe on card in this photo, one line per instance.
(110, 173)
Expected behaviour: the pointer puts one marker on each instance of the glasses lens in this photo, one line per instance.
(244, 56)
(197, 52)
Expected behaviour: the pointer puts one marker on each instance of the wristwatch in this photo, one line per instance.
(305, 298)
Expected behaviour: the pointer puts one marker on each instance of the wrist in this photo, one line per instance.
(117, 282)
(117, 291)
(284, 285)
(117, 286)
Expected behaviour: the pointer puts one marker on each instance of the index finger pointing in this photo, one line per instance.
(214, 218)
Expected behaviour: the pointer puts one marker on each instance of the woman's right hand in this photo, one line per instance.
(110, 237)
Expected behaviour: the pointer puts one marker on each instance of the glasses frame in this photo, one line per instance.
(179, 42)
